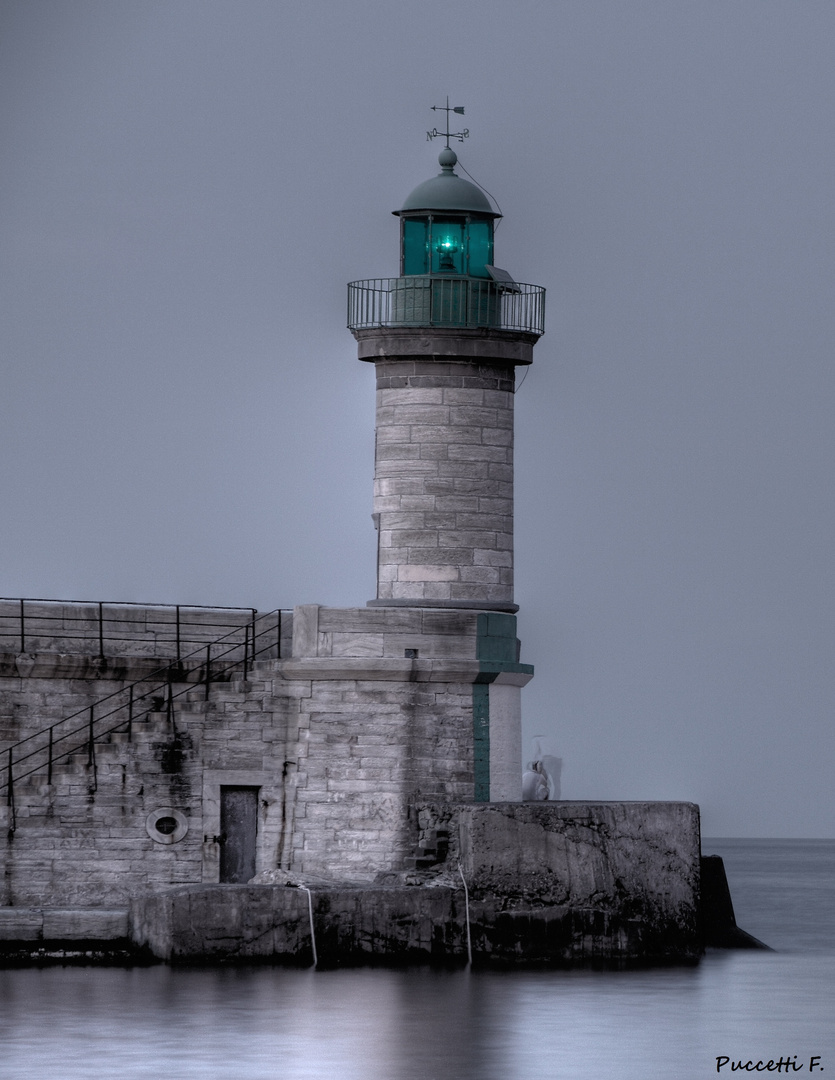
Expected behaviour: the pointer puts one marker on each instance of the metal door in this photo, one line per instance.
(238, 829)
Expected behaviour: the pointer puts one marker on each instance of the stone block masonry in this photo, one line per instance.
(444, 483)
(78, 834)
(387, 718)
(367, 711)
(443, 479)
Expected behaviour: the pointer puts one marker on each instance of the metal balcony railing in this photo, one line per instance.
(463, 302)
(120, 629)
(81, 731)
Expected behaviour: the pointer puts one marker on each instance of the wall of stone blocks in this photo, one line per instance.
(383, 632)
(443, 480)
(82, 838)
(384, 715)
(49, 686)
(368, 711)
(367, 748)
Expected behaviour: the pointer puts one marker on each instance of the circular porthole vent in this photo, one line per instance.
(166, 825)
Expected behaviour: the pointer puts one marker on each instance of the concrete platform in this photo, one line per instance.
(552, 884)
(18, 924)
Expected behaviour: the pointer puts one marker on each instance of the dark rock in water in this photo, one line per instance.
(718, 919)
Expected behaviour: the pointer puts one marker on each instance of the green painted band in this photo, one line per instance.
(481, 742)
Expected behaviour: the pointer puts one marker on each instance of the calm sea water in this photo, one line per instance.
(67, 1023)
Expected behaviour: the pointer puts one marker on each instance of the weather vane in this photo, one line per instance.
(459, 135)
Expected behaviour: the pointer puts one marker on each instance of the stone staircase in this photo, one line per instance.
(161, 722)
(433, 848)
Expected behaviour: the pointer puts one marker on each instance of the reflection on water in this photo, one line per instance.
(92, 1024)
(252, 1023)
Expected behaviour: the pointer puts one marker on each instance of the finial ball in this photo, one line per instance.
(447, 158)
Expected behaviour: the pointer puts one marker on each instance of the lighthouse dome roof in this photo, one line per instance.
(448, 192)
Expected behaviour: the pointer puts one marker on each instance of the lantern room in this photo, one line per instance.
(446, 226)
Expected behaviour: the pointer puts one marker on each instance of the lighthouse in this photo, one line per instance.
(446, 338)
(338, 748)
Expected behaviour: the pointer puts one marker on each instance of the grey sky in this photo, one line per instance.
(187, 188)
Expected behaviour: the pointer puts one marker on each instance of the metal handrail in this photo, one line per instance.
(213, 669)
(429, 300)
(16, 624)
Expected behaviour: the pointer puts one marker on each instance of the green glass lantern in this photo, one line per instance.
(446, 226)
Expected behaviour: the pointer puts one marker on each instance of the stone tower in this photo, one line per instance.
(445, 338)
